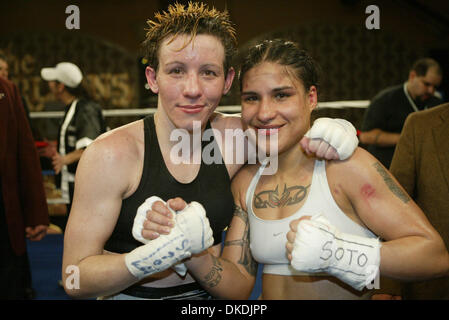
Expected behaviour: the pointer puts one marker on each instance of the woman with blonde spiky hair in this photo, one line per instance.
(189, 49)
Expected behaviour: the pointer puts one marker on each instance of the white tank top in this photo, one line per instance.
(269, 237)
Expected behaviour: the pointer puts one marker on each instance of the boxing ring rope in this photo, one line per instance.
(360, 104)
(224, 109)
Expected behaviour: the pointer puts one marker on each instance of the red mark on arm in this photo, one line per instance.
(367, 191)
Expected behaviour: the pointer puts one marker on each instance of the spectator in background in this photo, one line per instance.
(384, 118)
(421, 165)
(82, 123)
(23, 206)
(4, 73)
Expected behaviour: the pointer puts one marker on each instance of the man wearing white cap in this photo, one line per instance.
(81, 124)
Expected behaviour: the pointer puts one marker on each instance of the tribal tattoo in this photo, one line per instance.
(214, 276)
(290, 196)
(246, 259)
(392, 185)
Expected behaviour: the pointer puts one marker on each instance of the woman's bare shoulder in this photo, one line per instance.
(124, 141)
(359, 163)
(359, 173)
(241, 182)
(114, 159)
(115, 150)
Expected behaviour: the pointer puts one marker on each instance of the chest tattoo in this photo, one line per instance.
(274, 199)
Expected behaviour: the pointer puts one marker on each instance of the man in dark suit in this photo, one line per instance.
(23, 207)
(385, 116)
(421, 165)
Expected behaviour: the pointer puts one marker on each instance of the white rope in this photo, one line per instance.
(235, 109)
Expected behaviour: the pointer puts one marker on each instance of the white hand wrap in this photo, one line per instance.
(319, 247)
(339, 133)
(191, 234)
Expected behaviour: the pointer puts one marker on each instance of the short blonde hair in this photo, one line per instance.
(196, 18)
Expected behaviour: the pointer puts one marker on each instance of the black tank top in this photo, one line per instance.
(211, 188)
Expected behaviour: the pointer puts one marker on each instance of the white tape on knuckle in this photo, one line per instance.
(137, 230)
(336, 132)
(327, 133)
(308, 243)
(318, 129)
(191, 234)
(198, 207)
(347, 148)
(141, 217)
(353, 259)
(297, 262)
(320, 218)
(337, 138)
(343, 151)
(197, 227)
(206, 237)
(305, 256)
(359, 260)
(347, 126)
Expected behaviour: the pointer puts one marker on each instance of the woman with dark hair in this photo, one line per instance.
(337, 210)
